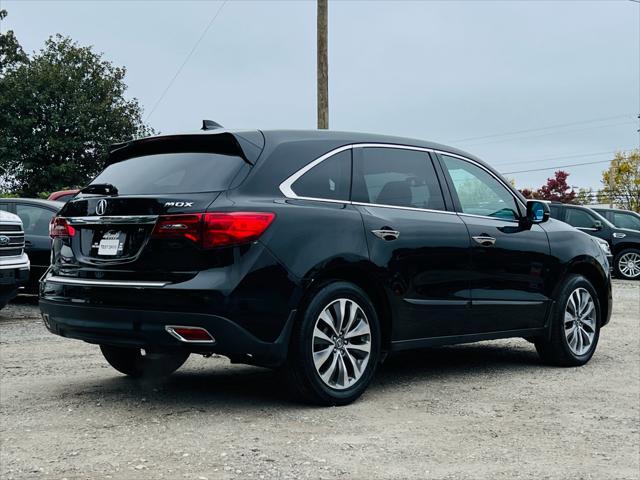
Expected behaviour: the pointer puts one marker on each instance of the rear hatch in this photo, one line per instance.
(142, 217)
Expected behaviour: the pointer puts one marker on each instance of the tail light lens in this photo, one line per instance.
(61, 228)
(210, 230)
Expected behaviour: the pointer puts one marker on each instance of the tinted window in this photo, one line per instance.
(4, 206)
(479, 192)
(330, 179)
(579, 218)
(554, 211)
(35, 220)
(392, 176)
(626, 220)
(172, 173)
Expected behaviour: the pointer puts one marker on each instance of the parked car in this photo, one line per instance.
(63, 195)
(620, 218)
(315, 252)
(14, 263)
(36, 214)
(624, 243)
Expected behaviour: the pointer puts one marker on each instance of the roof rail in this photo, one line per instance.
(210, 125)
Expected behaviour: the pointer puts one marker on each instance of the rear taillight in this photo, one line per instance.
(210, 230)
(59, 227)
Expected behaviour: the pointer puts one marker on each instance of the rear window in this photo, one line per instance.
(172, 173)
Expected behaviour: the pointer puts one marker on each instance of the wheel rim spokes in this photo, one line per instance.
(341, 343)
(629, 265)
(580, 321)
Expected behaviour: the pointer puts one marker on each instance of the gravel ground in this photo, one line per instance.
(484, 410)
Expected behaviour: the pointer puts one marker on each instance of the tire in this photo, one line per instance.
(627, 264)
(130, 361)
(560, 347)
(347, 357)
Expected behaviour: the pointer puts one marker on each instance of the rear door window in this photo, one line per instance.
(330, 179)
(396, 177)
(171, 173)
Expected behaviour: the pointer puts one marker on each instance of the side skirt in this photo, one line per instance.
(400, 345)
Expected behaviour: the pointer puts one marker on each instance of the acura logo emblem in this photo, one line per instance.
(101, 207)
(4, 240)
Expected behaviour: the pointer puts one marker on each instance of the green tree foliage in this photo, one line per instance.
(59, 111)
(622, 180)
(11, 53)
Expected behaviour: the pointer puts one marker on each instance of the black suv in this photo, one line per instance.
(624, 243)
(314, 252)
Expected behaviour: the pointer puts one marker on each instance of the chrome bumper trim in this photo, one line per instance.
(104, 283)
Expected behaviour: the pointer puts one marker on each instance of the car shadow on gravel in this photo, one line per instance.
(240, 387)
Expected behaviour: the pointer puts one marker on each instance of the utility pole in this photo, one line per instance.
(323, 67)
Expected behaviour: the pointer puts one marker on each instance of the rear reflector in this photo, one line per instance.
(216, 229)
(61, 228)
(190, 334)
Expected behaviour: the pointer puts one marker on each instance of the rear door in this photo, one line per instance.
(37, 244)
(510, 284)
(421, 247)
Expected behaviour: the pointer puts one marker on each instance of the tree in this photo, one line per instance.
(11, 53)
(622, 180)
(585, 196)
(556, 189)
(59, 110)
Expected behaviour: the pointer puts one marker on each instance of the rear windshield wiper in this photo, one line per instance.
(100, 189)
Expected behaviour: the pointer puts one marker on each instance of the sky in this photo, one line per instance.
(525, 85)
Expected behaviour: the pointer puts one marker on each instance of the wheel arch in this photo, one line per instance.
(362, 275)
(598, 278)
(618, 248)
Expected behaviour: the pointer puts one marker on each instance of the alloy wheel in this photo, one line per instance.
(629, 265)
(341, 343)
(580, 321)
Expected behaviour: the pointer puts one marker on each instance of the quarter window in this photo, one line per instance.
(397, 177)
(479, 192)
(330, 179)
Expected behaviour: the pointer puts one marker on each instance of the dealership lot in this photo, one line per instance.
(485, 410)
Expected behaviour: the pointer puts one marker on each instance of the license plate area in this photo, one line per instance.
(111, 244)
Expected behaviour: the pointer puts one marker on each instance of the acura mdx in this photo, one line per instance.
(316, 253)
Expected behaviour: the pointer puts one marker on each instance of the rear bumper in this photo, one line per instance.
(146, 329)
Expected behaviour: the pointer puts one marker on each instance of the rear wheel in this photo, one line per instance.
(627, 264)
(132, 361)
(335, 348)
(575, 325)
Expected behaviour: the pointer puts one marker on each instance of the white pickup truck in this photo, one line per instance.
(14, 263)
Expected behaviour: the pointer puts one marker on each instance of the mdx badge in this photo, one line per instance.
(101, 207)
(178, 204)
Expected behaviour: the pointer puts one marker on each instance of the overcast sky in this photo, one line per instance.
(445, 71)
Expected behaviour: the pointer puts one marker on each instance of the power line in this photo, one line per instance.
(577, 155)
(557, 166)
(195, 46)
(539, 129)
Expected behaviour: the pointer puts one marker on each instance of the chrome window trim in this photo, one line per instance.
(104, 283)
(287, 191)
(117, 219)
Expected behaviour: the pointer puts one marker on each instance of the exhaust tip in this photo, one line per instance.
(190, 334)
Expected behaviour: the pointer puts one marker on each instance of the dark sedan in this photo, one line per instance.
(35, 214)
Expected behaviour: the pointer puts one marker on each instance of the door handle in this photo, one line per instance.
(386, 233)
(484, 240)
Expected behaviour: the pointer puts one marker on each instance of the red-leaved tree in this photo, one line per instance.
(556, 189)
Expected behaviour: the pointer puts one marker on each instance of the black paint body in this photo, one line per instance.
(430, 286)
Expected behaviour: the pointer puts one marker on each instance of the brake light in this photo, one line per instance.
(219, 229)
(59, 227)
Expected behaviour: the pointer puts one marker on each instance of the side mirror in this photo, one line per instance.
(597, 224)
(537, 212)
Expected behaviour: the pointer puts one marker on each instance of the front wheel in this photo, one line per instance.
(132, 362)
(575, 325)
(627, 264)
(335, 347)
